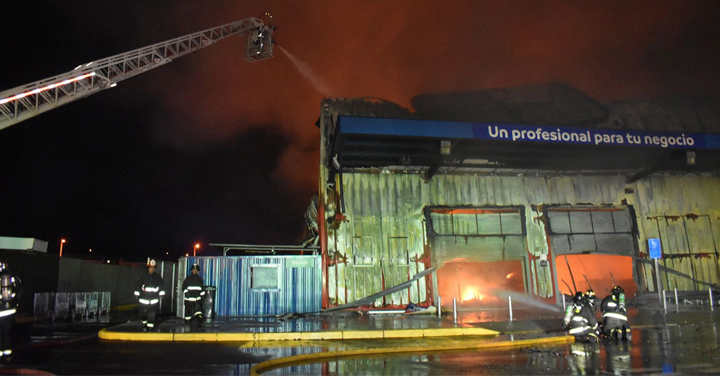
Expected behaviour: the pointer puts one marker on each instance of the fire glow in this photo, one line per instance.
(471, 293)
(473, 283)
(615, 270)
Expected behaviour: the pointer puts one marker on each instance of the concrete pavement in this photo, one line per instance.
(357, 325)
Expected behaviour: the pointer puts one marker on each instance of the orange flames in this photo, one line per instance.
(472, 283)
(471, 293)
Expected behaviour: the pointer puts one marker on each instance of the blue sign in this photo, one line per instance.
(655, 249)
(528, 133)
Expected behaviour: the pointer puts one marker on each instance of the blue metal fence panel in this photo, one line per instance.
(299, 288)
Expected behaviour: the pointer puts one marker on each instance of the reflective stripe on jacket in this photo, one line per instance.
(149, 287)
(192, 287)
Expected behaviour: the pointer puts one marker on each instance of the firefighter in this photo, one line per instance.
(149, 290)
(580, 320)
(193, 292)
(10, 289)
(614, 315)
(590, 299)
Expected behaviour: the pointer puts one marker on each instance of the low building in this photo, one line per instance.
(538, 189)
(23, 244)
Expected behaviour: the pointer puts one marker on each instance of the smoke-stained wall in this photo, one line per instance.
(383, 242)
(684, 213)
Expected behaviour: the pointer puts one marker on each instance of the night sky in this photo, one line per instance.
(211, 148)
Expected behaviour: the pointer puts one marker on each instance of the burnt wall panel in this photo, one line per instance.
(682, 212)
(651, 198)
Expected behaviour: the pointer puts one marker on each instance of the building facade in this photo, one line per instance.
(400, 194)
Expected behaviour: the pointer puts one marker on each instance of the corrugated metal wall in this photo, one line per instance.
(383, 207)
(382, 244)
(684, 213)
(299, 290)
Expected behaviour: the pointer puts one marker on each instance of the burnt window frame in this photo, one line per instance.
(632, 232)
(430, 230)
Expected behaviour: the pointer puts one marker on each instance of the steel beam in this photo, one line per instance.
(24, 102)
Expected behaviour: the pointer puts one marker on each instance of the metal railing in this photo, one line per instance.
(55, 305)
(267, 249)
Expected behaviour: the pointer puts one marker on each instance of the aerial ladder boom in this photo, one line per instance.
(24, 102)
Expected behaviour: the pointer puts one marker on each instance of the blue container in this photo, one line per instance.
(260, 285)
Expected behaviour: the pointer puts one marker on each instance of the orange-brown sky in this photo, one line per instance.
(212, 104)
(611, 50)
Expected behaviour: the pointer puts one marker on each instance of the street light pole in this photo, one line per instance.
(197, 246)
(62, 242)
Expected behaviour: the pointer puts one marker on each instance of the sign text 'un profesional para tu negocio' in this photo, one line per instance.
(528, 133)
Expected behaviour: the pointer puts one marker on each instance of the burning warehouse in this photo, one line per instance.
(537, 189)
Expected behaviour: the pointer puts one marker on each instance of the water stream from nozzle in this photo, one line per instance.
(526, 299)
(306, 71)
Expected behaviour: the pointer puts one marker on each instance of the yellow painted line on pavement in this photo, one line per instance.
(363, 334)
(404, 333)
(125, 307)
(316, 336)
(234, 337)
(452, 332)
(277, 336)
(313, 358)
(142, 336)
(199, 337)
(109, 334)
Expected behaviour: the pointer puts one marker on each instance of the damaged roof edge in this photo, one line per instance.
(545, 104)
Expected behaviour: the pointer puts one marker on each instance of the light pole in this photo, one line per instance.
(62, 242)
(197, 246)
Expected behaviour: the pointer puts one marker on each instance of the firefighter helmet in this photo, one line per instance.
(617, 290)
(151, 263)
(590, 297)
(195, 267)
(578, 299)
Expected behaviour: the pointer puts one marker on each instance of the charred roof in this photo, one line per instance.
(537, 105)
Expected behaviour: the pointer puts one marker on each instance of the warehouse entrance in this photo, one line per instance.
(481, 250)
(596, 244)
